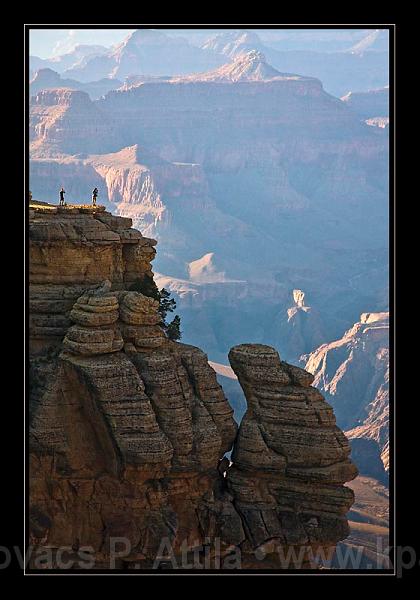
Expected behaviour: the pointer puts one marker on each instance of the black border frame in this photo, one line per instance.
(393, 29)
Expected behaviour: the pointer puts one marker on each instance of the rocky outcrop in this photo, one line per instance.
(65, 121)
(290, 460)
(353, 373)
(94, 331)
(129, 430)
(72, 250)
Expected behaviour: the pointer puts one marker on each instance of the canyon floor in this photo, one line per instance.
(369, 524)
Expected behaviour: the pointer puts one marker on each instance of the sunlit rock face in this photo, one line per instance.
(353, 373)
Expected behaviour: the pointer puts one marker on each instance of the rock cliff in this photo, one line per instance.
(66, 121)
(353, 373)
(290, 460)
(128, 430)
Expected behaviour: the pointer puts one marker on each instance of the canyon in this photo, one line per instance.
(268, 198)
(128, 429)
(275, 179)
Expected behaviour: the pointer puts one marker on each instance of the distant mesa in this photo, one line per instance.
(48, 78)
(126, 157)
(300, 327)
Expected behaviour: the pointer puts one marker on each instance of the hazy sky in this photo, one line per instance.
(46, 43)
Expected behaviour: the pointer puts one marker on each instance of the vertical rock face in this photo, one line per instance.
(67, 120)
(353, 373)
(128, 429)
(290, 460)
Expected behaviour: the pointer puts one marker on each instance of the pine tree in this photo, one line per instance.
(173, 330)
(148, 287)
(166, 304)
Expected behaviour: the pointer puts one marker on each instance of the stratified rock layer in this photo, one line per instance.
(290, 460)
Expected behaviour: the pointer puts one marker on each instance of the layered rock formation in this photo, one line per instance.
(290, 460)
(353, 373)
(128, 429)
(71, 250)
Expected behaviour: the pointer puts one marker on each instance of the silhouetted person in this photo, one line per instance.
(30, 196)
(62, 192)
(94, 196)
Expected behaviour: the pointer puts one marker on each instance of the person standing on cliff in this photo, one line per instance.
(62, 192)
(94, 196)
